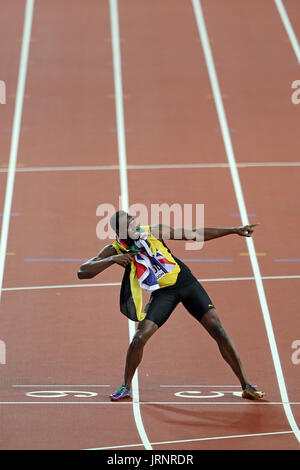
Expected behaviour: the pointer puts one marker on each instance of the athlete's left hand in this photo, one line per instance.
(245, 230)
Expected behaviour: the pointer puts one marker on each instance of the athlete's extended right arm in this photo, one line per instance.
(103, 260)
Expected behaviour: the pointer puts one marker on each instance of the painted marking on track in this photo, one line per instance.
(5, 165)
(57, 385)
(231, 129)
(60, 394)
(113, 96)
(108, 402)
(211, 40)
(10, 129)
(114, 129)
(119, 106)
(13, 214)
(287, 260)
(13, 154)
(13, 96)
(123, 63)
(196, 440)
(257, 254)
(224, 96)
(32, 39)
(202, 63)
(250, 214)
(109, 40)
(53, 259)
(207, 259)
(184, 166)
(203, 386)
(289, 29)
(113, 284)
(213, 394)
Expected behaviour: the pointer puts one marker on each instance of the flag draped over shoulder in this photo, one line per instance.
(153, 267)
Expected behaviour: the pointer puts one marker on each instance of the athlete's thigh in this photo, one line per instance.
(196, 300)
(161, 305)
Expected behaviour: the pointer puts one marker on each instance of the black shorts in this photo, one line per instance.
(163, 301)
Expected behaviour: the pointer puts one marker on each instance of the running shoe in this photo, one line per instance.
(120, 394)
(251, 393)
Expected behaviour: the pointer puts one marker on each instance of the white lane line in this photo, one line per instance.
(150, 167)
(117, 66)
(15, 135)
(109, 284)
(243, 211)
(244, 403)
(289, 28)
(56, 385)
(196, 440)
(65, 286)
(204, 386)
(115, 36)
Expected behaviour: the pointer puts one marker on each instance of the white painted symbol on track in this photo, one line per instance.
(213, 394)
(61, 394)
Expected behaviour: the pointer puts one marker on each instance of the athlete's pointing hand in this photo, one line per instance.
(245, 230)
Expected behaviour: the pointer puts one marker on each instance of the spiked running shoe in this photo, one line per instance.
(251, 393)
(120, 394)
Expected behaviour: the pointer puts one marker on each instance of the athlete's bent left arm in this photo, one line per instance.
(207, 233)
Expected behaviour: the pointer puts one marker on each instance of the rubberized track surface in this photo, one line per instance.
(64, 335)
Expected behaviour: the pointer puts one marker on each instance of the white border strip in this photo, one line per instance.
(288, 27)
(15, 135)
(171, 403)
(166, 166)
(243, 211)
(115, 35)
(196, 440)
(109, 284)
(57, 385)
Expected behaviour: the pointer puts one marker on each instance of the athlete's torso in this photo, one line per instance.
(185, 276)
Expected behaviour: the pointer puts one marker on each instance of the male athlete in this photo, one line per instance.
(147, 259)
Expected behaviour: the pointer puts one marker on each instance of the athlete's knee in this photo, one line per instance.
(220, 333)
(139, 340)
(214, 326)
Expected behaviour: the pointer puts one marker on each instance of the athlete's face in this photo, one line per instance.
(128, 227)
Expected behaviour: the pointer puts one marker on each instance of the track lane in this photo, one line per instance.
(273, 192)
(279, 120)
(159, 42)
(65, 338)
(159, 194)
(58, 221)
(264, 67)
(11, 26)
(70, 118)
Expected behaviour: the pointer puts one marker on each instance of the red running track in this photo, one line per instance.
(62, 334)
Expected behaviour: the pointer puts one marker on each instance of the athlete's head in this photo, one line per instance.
(124, 225)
